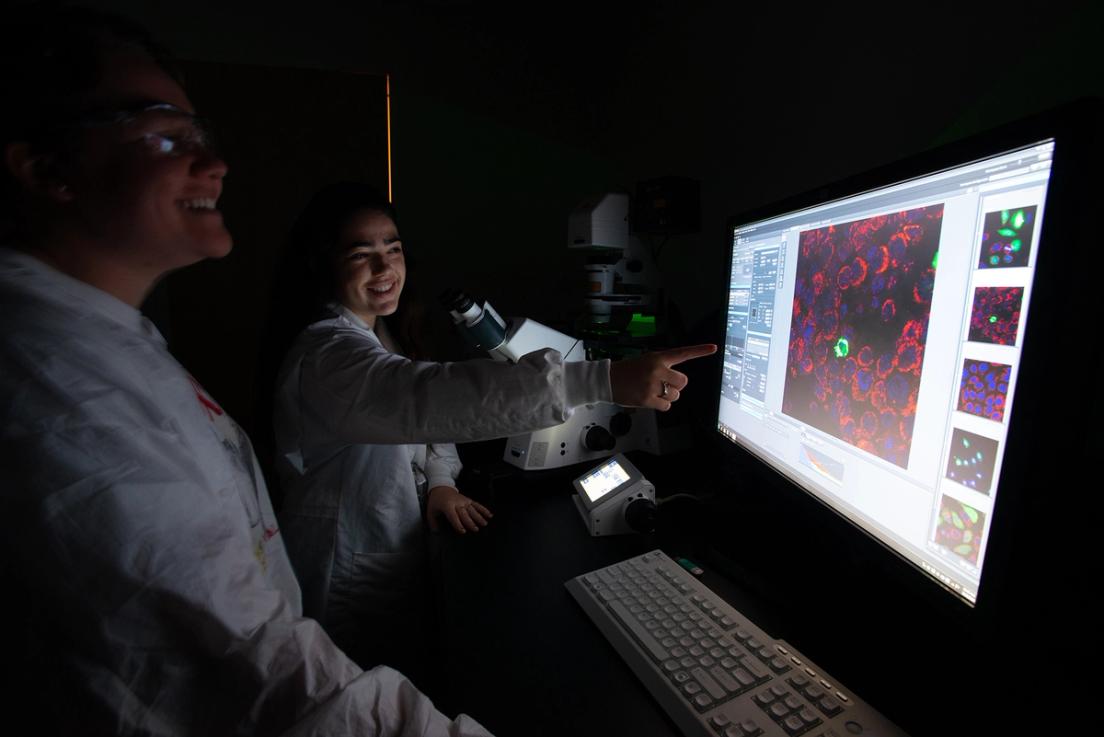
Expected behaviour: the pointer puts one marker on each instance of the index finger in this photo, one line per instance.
(675, 356)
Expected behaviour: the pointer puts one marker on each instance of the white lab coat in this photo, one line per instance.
(353, 420)
(138, 525)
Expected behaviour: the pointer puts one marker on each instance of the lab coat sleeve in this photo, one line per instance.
(443, 465)
(356, 392)
(154, 573)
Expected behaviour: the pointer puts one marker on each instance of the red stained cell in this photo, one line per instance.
(818, 283)
(858, 272)
(883, 262)
(885, 365)
(878, 394)
(910, 356)
(913, 330)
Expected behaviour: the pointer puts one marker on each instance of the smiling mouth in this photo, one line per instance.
(200, 204)
(382, 290)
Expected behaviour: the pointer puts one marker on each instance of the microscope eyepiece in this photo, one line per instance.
(455, 299)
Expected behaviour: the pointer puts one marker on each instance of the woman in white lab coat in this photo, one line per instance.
(364, 433)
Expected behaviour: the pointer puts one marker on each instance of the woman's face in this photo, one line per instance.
(371, 269)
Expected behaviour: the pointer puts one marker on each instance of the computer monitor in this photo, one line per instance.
(892, 342)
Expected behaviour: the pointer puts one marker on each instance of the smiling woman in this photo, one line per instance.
(371, 270)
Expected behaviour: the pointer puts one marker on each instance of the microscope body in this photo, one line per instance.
(593, 431)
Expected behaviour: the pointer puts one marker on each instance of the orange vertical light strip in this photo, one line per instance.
(390, 194)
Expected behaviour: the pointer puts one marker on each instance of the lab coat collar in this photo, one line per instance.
(379, 333)
(25, 272)
(344, 312)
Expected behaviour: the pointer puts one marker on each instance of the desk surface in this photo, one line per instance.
(519, 653)
(522, 657)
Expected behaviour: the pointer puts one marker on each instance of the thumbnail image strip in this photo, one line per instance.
(984, 389)
(1006, 239)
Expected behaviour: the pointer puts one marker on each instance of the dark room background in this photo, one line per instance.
(503, 118)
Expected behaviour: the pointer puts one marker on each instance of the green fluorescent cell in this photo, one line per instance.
(1017, 244)
(842, 348)
(992, 318)
(1006, 231)
(1018, 219)
(1004, 216)
(971, 513)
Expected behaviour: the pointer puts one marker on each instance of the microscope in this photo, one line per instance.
(593, 430)
(616, 320)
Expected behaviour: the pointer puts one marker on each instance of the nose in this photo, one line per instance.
(376, 263)
(209, 164)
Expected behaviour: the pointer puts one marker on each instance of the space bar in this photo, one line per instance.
(630, 623)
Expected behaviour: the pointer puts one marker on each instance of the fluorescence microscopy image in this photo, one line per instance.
(959, 528)
(862, 299)
(984, 388)
(1006, 238)
(996, 315)
(972, 460)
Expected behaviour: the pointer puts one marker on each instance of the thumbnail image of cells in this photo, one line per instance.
(1006, 238)
(984, 388)
(996, 315)
(972, 460)
(862, 298)
(959, 528)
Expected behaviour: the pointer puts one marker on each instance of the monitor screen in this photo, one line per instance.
(873, 344)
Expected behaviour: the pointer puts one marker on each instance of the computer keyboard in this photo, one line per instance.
(710, 668)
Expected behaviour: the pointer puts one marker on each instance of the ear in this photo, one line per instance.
(36, 173)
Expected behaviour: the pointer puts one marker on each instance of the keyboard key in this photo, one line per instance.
(632, 625)
(708, 683)
(724, 679)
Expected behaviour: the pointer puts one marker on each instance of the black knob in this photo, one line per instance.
(620, 424)
(640, 515)
(598, 438)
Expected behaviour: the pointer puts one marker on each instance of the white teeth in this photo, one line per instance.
(201, 203)
(384, 288)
